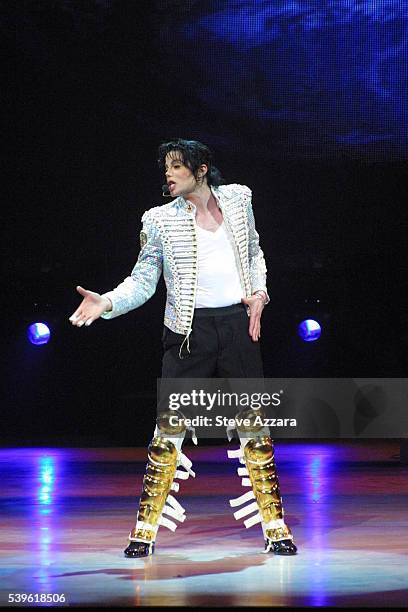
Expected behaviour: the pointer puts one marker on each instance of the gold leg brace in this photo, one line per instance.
(257, 454)
(164, 457)
(157, 481)
(260, 463)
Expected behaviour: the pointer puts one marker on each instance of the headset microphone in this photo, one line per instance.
(166, 191)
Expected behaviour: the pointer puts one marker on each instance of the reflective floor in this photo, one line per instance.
(66, 514)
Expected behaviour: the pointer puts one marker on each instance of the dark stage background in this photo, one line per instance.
(305, 102)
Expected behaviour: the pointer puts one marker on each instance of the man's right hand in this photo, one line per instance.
(91, 307)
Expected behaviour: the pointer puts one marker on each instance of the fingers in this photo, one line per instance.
(255, 312)
(255, 331)
(254, 326)
(79, 318)
(80, 322)
(83, 322)
(76, 315)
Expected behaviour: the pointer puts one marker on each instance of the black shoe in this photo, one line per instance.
(282, 547)
(139, 549)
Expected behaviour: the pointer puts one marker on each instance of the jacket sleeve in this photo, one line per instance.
(257, 266)
(139, 287)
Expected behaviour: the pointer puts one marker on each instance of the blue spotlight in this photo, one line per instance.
(309, 330)
(38, 333)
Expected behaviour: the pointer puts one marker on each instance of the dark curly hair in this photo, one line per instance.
(193, 154)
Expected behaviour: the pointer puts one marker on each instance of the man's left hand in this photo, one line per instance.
(256, 306)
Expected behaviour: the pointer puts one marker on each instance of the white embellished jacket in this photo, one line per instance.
(169, 244)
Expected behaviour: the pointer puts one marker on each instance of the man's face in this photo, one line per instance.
(179, 178)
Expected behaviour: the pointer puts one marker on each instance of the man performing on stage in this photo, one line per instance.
(205, 243)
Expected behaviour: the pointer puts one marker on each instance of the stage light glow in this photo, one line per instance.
(309, 330)
(47, 478)
(38, 333)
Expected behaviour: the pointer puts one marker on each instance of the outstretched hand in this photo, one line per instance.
(91, 307)
(256, 306)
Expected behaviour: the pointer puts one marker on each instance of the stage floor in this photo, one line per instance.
(66, 514)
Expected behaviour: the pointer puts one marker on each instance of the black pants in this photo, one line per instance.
(220, 346)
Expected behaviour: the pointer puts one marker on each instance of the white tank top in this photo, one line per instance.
(218, 282)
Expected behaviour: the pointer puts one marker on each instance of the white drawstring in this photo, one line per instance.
(188, 344)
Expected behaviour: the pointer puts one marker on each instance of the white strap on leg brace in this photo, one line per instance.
(249, 496)
(172, 501)
(242, 471)
(238, 501)
(167, 523)
(246, 510)
(181, 475)
(175, 510)
(186, 464)
(253, 520)
(174, 514)
(172, 507)
(235, 454)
